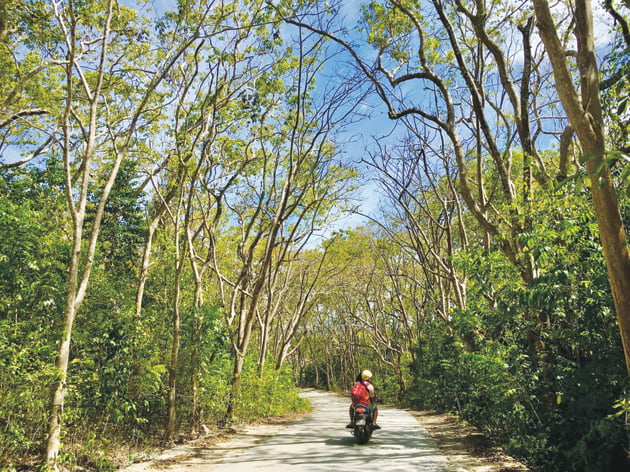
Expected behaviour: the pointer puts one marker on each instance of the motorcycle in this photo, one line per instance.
(363, 428)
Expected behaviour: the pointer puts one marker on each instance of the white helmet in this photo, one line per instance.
(366, 375)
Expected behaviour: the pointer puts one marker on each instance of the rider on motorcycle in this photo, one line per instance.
(364, 378)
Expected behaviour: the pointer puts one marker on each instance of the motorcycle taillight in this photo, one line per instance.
(361, 410)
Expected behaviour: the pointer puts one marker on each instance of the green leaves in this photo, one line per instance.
(616, 163)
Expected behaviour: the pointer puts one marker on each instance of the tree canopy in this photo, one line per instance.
(176, 180)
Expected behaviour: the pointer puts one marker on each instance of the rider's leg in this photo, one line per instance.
(374, 416)
(351, 411)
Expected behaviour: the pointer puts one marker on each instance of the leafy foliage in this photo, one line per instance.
(547, 365)
(32, 259)
(498, 309)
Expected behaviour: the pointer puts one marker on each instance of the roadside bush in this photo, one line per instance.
(25, 377)
(273, 394)
(538, 366)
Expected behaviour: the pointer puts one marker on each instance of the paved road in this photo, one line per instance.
(320, 442)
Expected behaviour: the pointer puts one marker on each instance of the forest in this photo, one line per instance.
(205, 204)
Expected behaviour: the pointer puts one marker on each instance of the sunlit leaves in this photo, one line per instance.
(617, 165)
(388, 30)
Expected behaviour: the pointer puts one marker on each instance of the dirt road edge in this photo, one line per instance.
(464, 447)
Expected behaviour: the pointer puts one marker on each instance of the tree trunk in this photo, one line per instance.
(172, 372)
(265, 327)
(76, 290)
(585, 116)
(142, 280)
(196, 413)
(236, 388)
(58, 392)
(172, 369)
(82, 259)
(197, 324)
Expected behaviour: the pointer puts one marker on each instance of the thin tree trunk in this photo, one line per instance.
(196, 412)
(172, 369)
(75, 292)
(63, 354)
(196, 336)
(237, 373)
(197, 321)
(144, 275)
(171, 426)
(264, 323)
(78, 284)
(58, 393)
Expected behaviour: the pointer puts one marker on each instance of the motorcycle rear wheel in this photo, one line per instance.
(362, 434)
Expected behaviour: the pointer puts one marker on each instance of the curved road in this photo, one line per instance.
(320, 442)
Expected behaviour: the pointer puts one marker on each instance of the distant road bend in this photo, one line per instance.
(320, 442)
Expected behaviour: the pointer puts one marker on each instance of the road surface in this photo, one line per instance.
(319, 442)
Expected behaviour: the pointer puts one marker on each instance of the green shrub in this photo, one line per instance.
(272, 395)
(26, 373)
